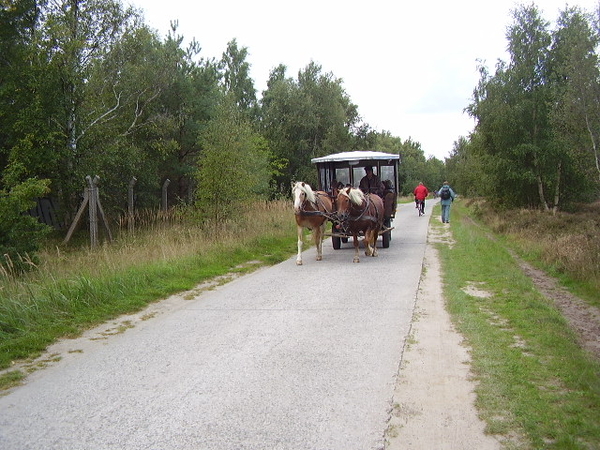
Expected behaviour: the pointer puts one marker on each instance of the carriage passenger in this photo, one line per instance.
(336, 186)
(389, 198)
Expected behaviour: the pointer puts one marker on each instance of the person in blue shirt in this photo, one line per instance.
(446, 195)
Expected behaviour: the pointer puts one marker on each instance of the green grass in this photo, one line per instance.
(11, 379)
(536, 386)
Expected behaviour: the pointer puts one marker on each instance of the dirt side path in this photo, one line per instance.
(583, 318)
(434, 399)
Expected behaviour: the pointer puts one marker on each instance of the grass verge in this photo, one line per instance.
(535, 386)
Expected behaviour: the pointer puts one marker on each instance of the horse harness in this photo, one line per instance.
(362, 215)
(318, 204)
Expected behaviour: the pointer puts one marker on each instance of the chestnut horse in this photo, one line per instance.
(312, 210)
(358, 212)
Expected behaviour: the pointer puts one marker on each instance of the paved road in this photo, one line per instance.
(289, 357)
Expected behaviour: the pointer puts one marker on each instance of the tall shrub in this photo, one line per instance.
(20, 234)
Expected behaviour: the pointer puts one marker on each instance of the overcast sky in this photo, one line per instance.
(409, 66)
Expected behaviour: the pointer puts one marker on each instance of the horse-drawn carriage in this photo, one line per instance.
(339, 200)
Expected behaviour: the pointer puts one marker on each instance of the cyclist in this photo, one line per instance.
(421, 193)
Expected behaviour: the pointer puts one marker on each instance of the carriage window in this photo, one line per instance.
(357, 173)
(325, 182)
(387, 173)
(343, 175)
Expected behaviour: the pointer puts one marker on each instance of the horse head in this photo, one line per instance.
(346, 201)
(302, 192)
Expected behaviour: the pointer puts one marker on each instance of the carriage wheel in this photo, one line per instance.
(388, 221)
(336, 242)
(385, 238)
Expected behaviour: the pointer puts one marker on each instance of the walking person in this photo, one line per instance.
(446, 195)
(420, 193)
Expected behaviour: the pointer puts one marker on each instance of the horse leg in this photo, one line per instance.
(356, 258)
(374, 240)
(300, 241)
(371, 242)
(319, 240)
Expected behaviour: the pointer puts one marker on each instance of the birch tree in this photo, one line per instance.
(576, 73)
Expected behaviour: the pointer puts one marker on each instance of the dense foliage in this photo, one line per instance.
(538, 117)
(20, 234)
(86, 88)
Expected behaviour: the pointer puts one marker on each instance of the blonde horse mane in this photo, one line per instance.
(305, 187)
(355, 195)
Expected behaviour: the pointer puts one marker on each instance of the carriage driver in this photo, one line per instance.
(370, 183)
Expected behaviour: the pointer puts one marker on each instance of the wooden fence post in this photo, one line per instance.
(164, 194)
(130, 211)
(86, 199)
(92, 200)
(101, 210)
(93, 209)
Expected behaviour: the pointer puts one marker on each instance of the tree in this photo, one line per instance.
(190, 104)
(467, 166)
(166, 97)
(100, 94)
(575, 115)
(233, 166)
(236, 78)
(512, 109)
(412, 166)
(71, 38)
(537, 116)
(305, 118)
(528, 45)
(21, 235)
(127, 139)
(19, 19)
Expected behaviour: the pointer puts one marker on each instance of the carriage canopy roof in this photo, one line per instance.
(355, 156)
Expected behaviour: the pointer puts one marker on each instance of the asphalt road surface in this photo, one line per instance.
(288, 357)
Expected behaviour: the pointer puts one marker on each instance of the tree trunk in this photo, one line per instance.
(557, 189)
(69, 82)
(540, 183)
(541, 193)
(536, 164)
(594, 146)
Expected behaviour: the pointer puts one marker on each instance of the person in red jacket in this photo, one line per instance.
(421, 194)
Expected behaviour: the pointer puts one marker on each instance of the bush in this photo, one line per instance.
(20, 234)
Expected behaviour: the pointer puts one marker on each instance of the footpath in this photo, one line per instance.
(434, 400)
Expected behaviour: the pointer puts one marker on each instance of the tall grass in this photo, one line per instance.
(566, 244)
(75, 288)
